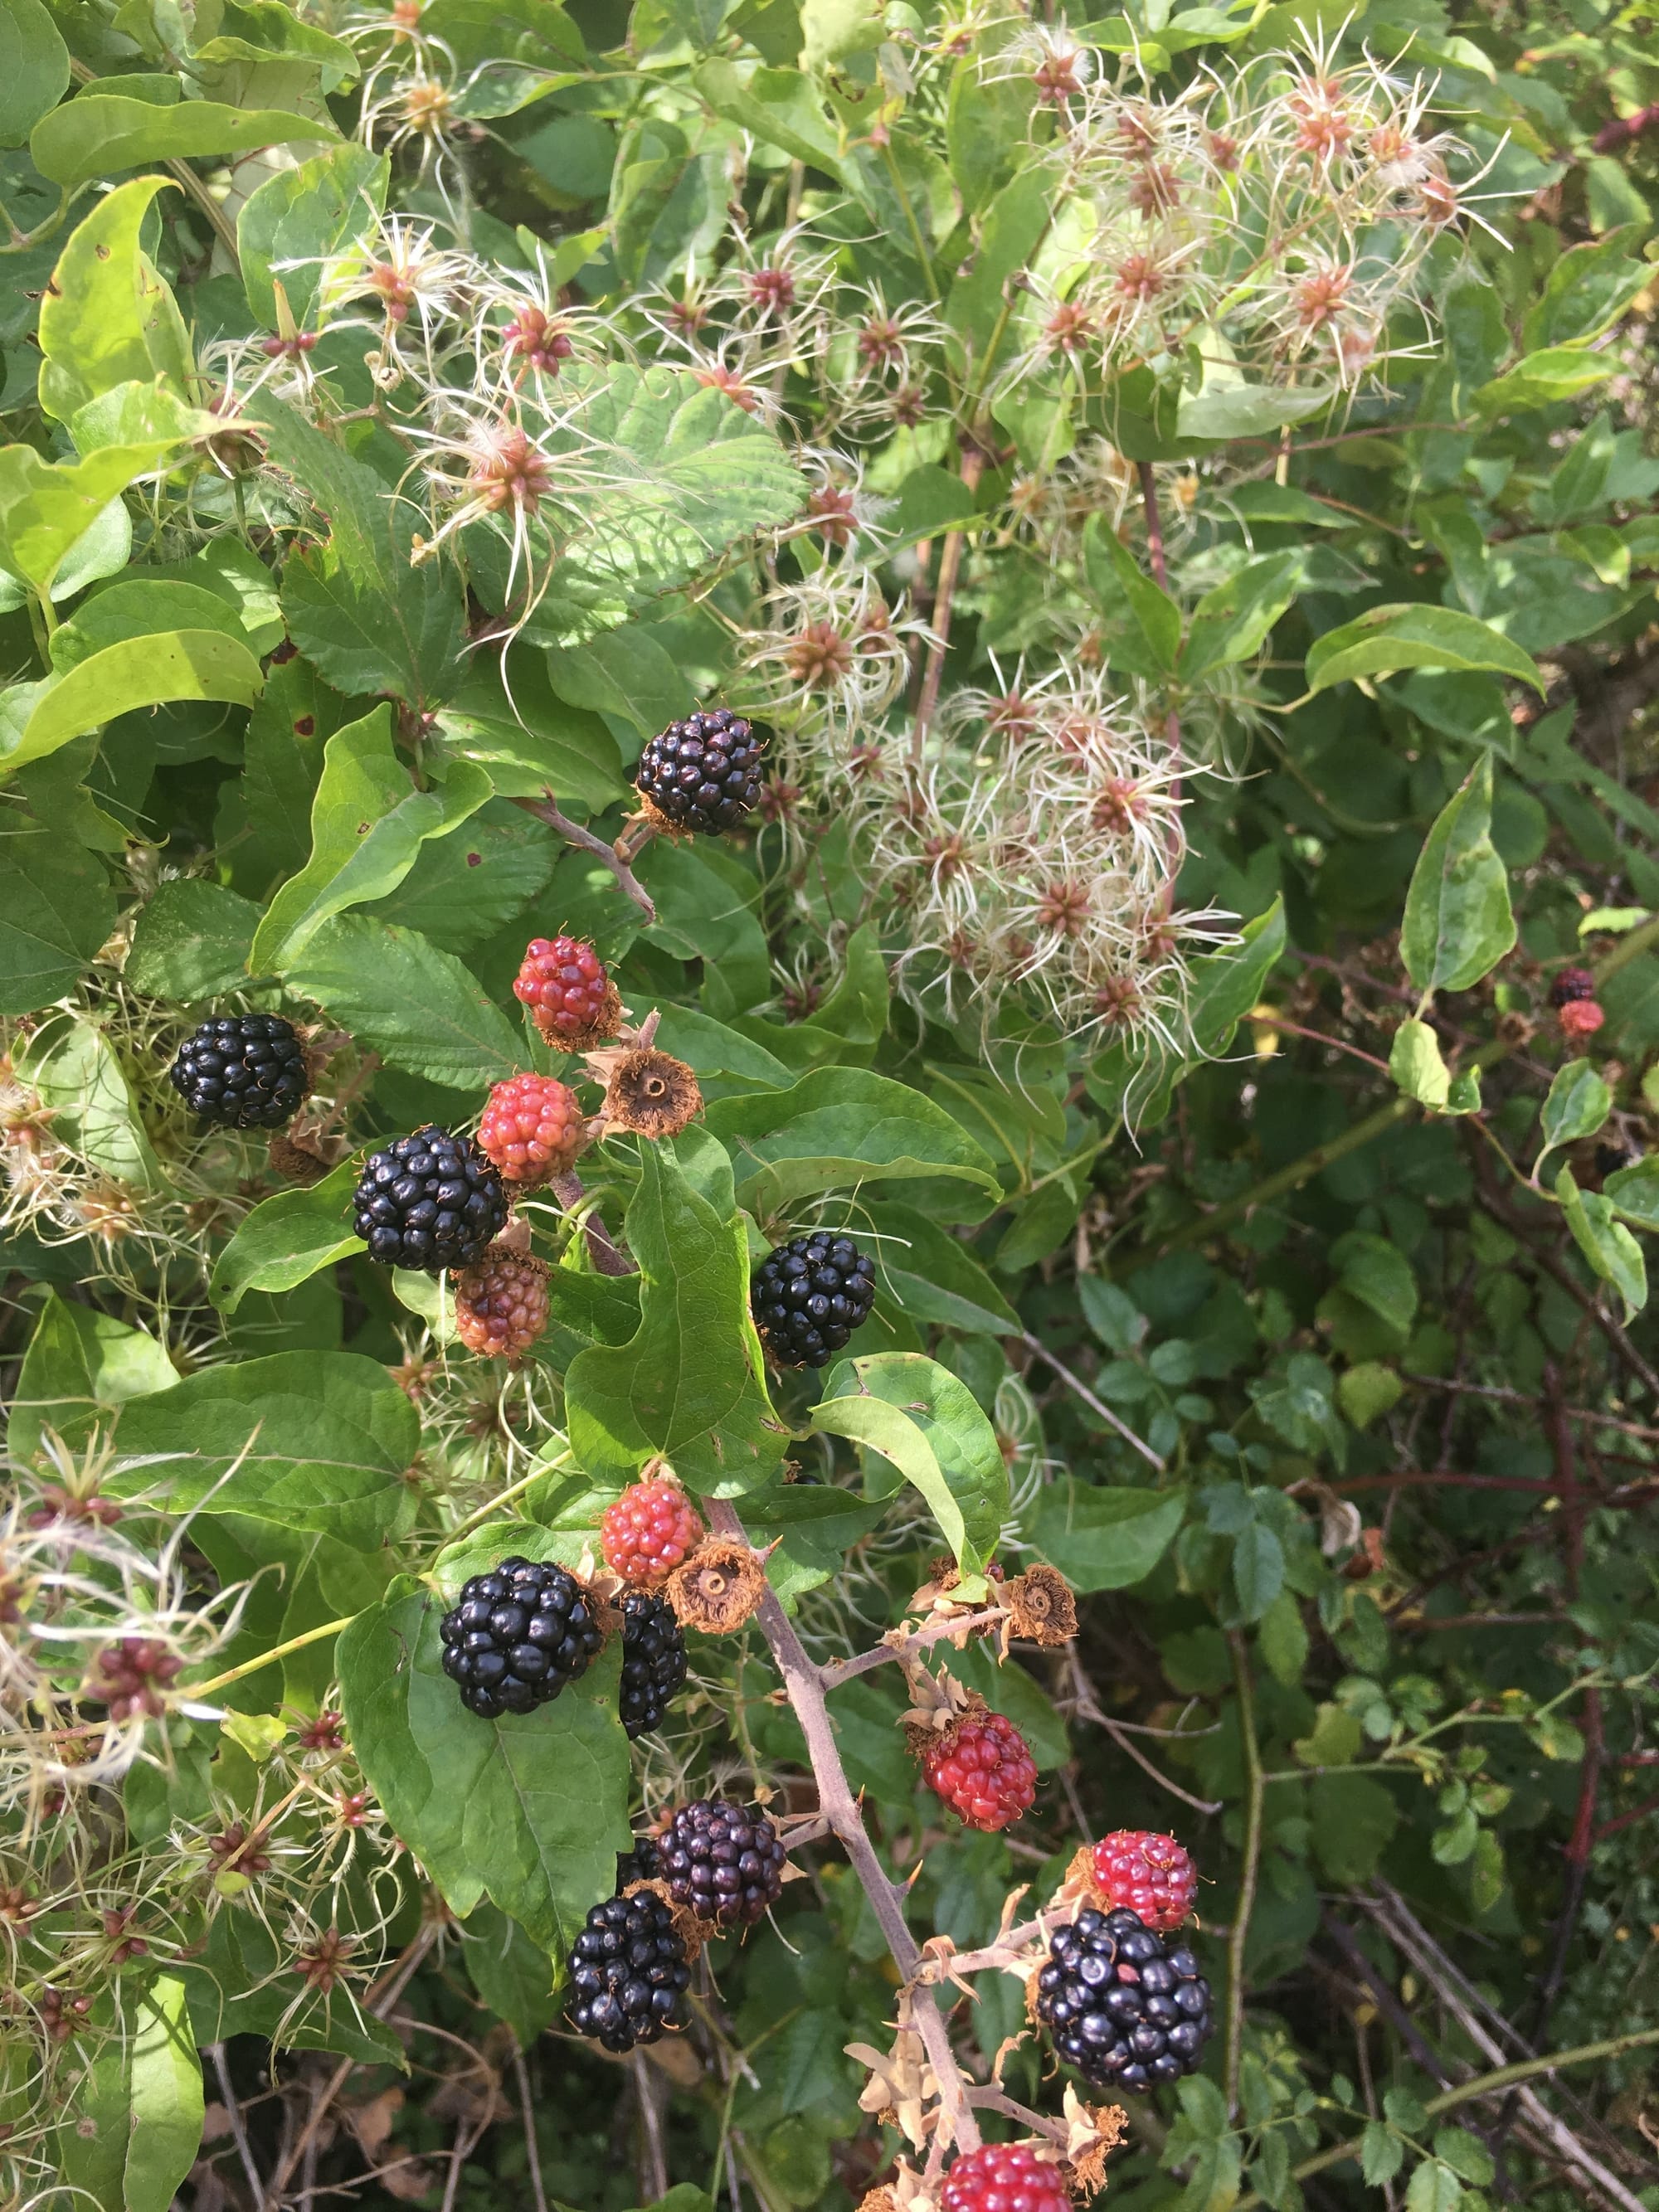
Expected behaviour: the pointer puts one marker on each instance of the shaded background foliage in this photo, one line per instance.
(1338, 1412)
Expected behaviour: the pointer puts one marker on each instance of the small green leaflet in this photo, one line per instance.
(929, 1425)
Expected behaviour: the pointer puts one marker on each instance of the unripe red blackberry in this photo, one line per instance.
(1128, 2008)
(982, 1770)
(1149, 1874)
(532, 1129)
(1580, 1018)
(653, 1661)
(649, 1531)
(572, 1001)
(502, 1304)
(1003, 2177)
(628, 1973)
(519, 1635)
(702, 773)
(1571, 983)
(722, 1862)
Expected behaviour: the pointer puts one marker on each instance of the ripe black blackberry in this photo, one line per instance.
(517, 1636)
(639, 1864)
(809, 1295)
(247, 1071)
(1127, 2008)
(702, 773)
(429, 1201)
(722, 1862)
(654, 1661)
(1571, 985)
(628, 1973)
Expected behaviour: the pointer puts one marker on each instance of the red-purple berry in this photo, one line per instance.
(571, 1000)
(1003, 2177)
(1149, 1874)
(532, 1129)
(502, 1304)
(983, 1771)
(649, 1531)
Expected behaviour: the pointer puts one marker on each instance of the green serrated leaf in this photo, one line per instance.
(290, 226)
(307, 1439)
(287, 1239)
(356, 606)
(1104, 1537)
(1579, 1104)
(419, 1008)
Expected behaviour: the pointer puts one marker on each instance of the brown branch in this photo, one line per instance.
(546, 809)
(804, 1685)
(935, 1631)
(1039, 1350)
(1502, 1396)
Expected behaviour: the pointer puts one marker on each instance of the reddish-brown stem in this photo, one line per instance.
(546, 809)
(804, 1686)
(1625, 1820)
(1154, 524)
(831, 1678)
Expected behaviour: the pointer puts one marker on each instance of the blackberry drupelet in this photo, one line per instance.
(1127, 2008)
(639, 1864)
(809, 1295)
(722, 1862)
(429, 1201)
(518, 1636)
(653, 1661)
(702, 773)
(247, 1071)
(628, 1973)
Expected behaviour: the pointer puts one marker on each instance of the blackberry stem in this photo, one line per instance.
(805, 1684)
(546, 809)
(1239, 1935)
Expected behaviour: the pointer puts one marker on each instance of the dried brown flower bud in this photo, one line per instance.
(295, 1162)
(1041, 1606)
(718, 1588)
(645, 1090)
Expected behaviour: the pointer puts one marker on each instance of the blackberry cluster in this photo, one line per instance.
(501, 1305)
(628, 1973)
(722, 1862)
(702, 773)
(1571, 985)
(649, 1531)
(1127, 2008)
(429, 1202)
(1149, 1874)
(653, 1661)
(809, 1295)
(532, 1129)
(517, 1636)
(572, 1001)
(984, 1771)
(639, 1864)
(247, 1071)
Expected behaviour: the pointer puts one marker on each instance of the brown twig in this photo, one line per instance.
(546, 809)
(532, 2149)
(1039, 1350)
(804, 1685)
(220, 2065)
(1239, 1934)
(1503, 1396)
(919, 1639)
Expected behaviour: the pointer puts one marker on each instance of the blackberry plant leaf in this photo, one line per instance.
(842, 1127)
(312, 1440)
(689, 1383)
(927, 1424)
(419, 1008)
(287, 1239)
(529, 1811)
(368, 826)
